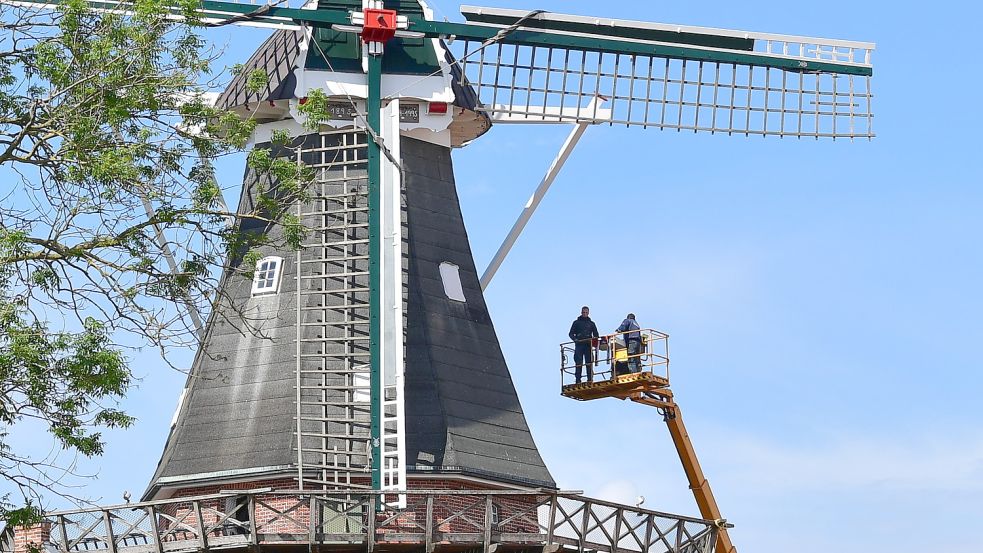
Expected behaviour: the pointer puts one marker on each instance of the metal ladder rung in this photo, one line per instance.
(343, 211)
(336, 259)
(339, 196)
(359, 437)
(351, 485)
(345, 388)
(343, 452)
(335, 275)
(322, 340)
(338, 291)
(335, 244)
(342, 307)
(340, 227)
(333, 355)
(329, 403)
(338, 307)
(337, 325)
(335, 403)
(331, 372)
(344, 421)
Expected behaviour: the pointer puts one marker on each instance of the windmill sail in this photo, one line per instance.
(545, 67)
(244, 12)
(548, 67)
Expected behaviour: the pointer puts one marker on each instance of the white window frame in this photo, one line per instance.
(266, 280)
(450, 276)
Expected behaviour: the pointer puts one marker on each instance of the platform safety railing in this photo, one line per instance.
(433, 520)
(613, 357)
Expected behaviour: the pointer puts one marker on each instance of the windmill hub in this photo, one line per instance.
(378, 25)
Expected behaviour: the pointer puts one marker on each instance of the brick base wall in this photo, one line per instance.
(31, 538)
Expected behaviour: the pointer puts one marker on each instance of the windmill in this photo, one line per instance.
(379, 370)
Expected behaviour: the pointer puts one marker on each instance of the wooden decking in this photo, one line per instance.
(620, 386)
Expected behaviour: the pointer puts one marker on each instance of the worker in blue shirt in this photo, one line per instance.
(633, 341)
(583, 331)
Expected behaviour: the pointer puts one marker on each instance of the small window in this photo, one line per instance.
(450, 274)
(266, 279)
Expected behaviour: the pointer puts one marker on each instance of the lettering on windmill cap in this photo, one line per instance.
(409, 113)
(344, 112)
(339, 111)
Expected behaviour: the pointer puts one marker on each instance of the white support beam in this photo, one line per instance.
(538, 195)
(548, 115)
(165, 248)
(393, 447)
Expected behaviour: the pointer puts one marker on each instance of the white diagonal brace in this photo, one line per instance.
(168, 253)
(538, 195)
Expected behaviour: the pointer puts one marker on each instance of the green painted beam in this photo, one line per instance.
(692, 39)
(616, 46)
(525, 37)
(373, 108)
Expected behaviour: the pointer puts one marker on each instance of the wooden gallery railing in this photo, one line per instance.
(433, 520)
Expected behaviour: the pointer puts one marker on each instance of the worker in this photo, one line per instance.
(633, 341)
(583, 331)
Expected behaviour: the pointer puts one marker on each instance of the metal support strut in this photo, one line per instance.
(520, 224)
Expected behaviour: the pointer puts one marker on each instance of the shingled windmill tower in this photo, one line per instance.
(289, 401)
(364, 375)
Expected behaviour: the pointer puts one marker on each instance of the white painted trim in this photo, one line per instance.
(440, 138)
(426, 475)
(264, 131)
(552, 115)
(346, 87)
(392, 346)
(234, 475)
(180, 405)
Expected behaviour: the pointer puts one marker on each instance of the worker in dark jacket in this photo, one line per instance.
(633, 341)
(583, 331)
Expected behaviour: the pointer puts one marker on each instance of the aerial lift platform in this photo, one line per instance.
(643, 377)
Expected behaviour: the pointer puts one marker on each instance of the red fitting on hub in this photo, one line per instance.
(380, 25)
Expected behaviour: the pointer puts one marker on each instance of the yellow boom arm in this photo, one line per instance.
(691, 465)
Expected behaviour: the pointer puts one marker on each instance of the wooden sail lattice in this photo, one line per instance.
(712, 80)
(551, 84)
(541, 67)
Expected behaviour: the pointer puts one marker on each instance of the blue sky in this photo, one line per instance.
(822, 298)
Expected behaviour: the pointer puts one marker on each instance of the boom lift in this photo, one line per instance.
(644, 378)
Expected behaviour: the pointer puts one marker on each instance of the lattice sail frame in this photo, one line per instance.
(544, 67)
(684, 89)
